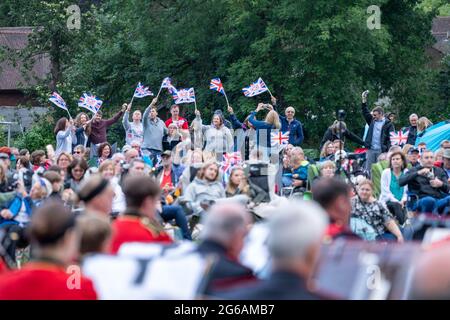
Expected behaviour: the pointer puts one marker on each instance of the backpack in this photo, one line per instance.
(360, 227)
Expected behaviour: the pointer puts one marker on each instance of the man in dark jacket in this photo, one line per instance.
(295, 236)
(412, 135)
(378, 135)
(99, 126)
(225, 227)
(289, 123)
(429, 184)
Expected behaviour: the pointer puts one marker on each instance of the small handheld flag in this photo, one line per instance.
(184, 96)
(59, 102)
(90, 102)
(142, 91)
(399, 138)
(279, 138)
(216, 84)
(166, 83)
(230, 160)
(256, 88)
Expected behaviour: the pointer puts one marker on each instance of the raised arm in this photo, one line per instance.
(116, 117)
(147, 112)
(256, 123)
(125, 119)
(365, 111)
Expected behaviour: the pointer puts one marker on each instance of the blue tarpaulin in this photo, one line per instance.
(434, 135)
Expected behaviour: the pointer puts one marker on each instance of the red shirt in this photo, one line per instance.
(44, 281)
(182, 123)
(166, 179)
(132, 229)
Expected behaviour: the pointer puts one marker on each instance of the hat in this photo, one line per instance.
(4, 155)
(446, 153)
(167, 153)
(413, 150)
(6, 150)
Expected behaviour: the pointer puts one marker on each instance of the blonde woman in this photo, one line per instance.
(108, 171)
(271, 122)
(237, 184)
(422, 124)
(328, 151)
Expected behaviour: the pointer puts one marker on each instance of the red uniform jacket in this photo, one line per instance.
(44, 281)
(129, 228)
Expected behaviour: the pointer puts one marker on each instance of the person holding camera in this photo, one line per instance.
(429, 184)
(271, 122)
(338, 130)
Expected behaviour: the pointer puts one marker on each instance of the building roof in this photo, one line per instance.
(16, 38)
(441, 32)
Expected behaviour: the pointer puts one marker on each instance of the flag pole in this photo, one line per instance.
(195, 100)
(226, 98)
(269, 92)
(69, 114)
(160, 88)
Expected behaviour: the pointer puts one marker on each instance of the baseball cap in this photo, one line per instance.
(413, 150)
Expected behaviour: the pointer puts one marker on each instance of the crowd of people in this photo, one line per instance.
(209, 181)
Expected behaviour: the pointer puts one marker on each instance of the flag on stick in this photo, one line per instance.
(167, 83)
(184, 96)
(59, 102)
(256, 88)
(90, 102)
(216, 84)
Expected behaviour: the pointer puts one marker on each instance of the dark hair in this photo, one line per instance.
(75, 163)
(102, 146)
(327, 190)
(55, 168)
(398, 153)
(95, 230)
(23, 152)
(36, 156)
(60, 125)
(378, 109)
(50, 223)
(23, 161)
(132, 162)
(137, 188)
(52, 176)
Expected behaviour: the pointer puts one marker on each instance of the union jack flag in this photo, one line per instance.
(90, 102)
(58, 101)
(142, 91)
(279, 138)
(255, 88)
(230, 160)
(399, 138)
(216, 84)
(184, 96)
(167, 83)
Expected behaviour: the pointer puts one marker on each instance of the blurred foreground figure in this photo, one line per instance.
(49, 276)
(295, 234)
(139, 223)
(224, 229)
(432, 275)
